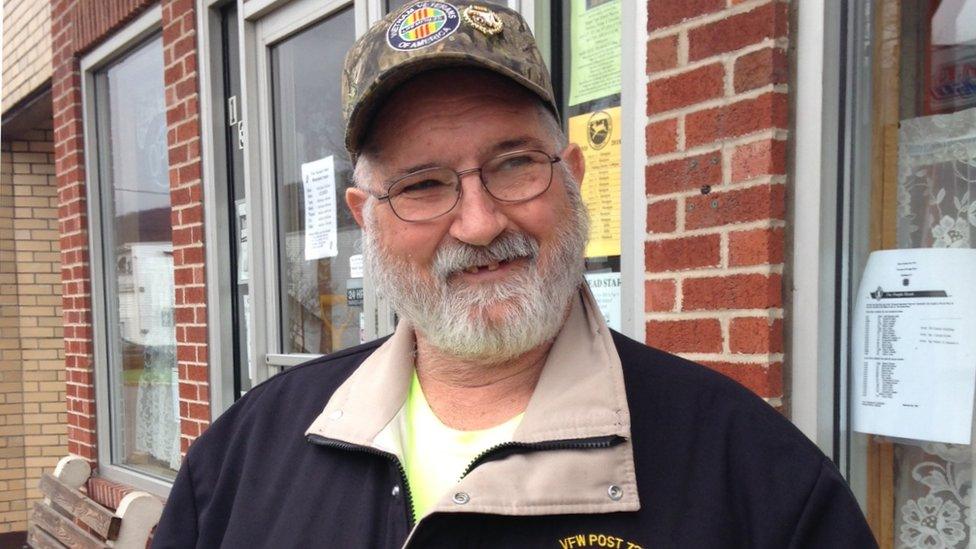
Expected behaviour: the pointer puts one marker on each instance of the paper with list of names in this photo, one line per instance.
(605, 288)
(321, 221)
(913, 345)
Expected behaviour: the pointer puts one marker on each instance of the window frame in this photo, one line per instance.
(134, 35)
(854, 220)
(262, 30)
(831, 216)
(814, 203)
(633, 159)
(216, 206)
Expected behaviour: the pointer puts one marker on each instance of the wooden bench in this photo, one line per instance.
(56, 522)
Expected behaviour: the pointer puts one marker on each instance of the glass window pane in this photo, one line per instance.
(587, 75)
(936, 144)
(919, 117)
(320, 297)
(396, 4)
(138, 252)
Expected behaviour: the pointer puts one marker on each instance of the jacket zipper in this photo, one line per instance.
(340, 445)
(568, 444)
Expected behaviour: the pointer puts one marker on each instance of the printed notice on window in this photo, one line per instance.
(243, 261)
(598, 135)
(913, 345)
(356, 266)
(594, 70)
(321, 222)
(605, 288)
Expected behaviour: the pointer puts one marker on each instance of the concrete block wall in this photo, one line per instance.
(33, 418)
(26, 48)
(717, 108)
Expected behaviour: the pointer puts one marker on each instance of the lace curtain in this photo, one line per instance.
(936, 208)
(157, 407)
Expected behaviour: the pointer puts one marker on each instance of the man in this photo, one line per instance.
(502, 412)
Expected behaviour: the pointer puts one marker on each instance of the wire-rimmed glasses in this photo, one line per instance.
(511, 177)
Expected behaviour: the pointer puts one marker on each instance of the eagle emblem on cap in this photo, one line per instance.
(482, 19)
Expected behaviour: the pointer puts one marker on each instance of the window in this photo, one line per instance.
(912, 146)
(137, 250)
(138, 254)
(132, 257)
(319, 295)
(586, 70)
(397, 4)
(136, 261)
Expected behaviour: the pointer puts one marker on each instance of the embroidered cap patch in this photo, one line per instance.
(421, 25)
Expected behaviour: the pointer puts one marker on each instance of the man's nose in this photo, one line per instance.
(478, 220)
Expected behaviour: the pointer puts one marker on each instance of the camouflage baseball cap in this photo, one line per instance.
(427, 35)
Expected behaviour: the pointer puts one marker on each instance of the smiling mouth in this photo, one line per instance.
(490, 266)
(493, 266)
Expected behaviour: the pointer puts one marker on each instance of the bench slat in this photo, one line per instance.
(102, 521)
(39, 539)
(63, 529)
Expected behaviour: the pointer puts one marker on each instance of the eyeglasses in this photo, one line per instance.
(511, 177)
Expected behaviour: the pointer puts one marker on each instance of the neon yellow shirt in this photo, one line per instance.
(435, 455)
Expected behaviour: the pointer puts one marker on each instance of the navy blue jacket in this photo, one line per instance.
(715, 466)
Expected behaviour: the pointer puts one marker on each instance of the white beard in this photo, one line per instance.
(456, 318)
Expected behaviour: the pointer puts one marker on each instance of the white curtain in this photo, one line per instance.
(936, 208)
(157, 407)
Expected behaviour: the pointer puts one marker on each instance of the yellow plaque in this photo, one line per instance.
(598, 134)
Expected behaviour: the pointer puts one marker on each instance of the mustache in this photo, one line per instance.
(454, 256)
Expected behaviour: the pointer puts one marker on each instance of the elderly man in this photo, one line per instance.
(503, 412)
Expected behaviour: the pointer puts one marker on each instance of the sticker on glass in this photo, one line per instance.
(599, 128)
(421, 25)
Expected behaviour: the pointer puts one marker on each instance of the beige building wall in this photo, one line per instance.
(12, 471)
(26, 48)
(33, 418)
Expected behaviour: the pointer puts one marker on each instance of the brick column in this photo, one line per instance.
(186, 193)
(75, 274)
(716, 183)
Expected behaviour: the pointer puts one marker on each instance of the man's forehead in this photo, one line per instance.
(449, 158)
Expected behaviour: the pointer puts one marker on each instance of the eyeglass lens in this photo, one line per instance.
(433, 192)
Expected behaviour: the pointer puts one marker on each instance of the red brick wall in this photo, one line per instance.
(78, 26)
(186, 194)
(106, 492)
(716, 182)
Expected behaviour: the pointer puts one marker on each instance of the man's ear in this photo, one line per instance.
(574, 160)
(356, 198)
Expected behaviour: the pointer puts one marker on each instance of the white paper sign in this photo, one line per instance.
(356, 266)
(605, 288)
(913, 345)
(321, 222)
(251, 366)
(243, 261)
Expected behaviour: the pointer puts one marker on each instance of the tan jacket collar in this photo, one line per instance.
(580, 395)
